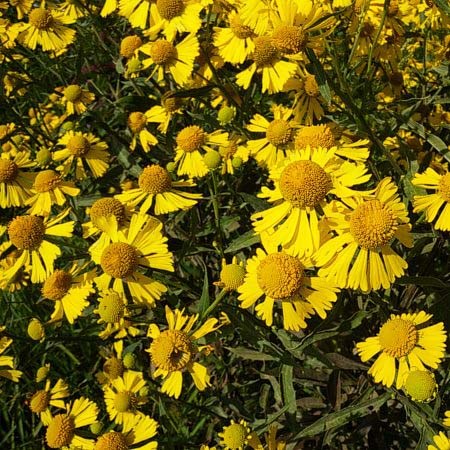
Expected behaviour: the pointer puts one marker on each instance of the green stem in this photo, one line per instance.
(214, 304)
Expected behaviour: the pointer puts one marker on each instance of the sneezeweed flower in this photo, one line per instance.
(281, 278)
(49, 189)
(47, 28)
(41, 400)
(137, 123)
(303, 180)
(82, 149)
(121, 256)
(42, 373)
(7, 365)
(22, 277)
(135, 434)
(175, 351)
(164, 113)
(113, 312)
(234, 154)
(122, 397)
(15, 184)
(62, 428)
(164, 57)
(237, 436)
(28, 234)
(129, 45)
(72, 9)
(75, 98)
(441, 442)
(234, 42)
(136, 11)
(109, 7)
(232, 275)
(69, 290)
(190, 141)
(437, 204)
(420, 385)
(157, 188)
(361, 256)
(22, 7)
(405, 344)
(36, 330)
(267, 59)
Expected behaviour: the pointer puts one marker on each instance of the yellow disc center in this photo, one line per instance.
(123, 401)
(8, 171)
(137, 121)
(234, 436)
(163, 52)
(46, 181)
(170, 103)
(279, 132)
(398, 337)
(155, 180)
(73, 93)
(26, 232)
(40, 18)
(113, 368)
(119, 260)
(280, 275)
(40, 401)
(232, 276)
(57, 285)
(444, 187)
(311, 87)
(78, 145)
(265, 54)
(190, 139)
(239, 29)
(129, 45)
(60, 431)
(420, 385)
(315, 136)
(169, 9)
(289, 39)
(171, 350)
(106, 207)
(111, 441)
(373, 224)
(111, 308)
(304, 183)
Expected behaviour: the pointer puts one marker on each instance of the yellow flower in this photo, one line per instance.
(232, 275)
(237, 436)
(82, 148)
(164, 113)
(361, 256)
(190, 140)
(178, 59)
(22, 7)
(75, 98)
(47, 28)
(174, 351)
(48, 190)
(437, 204)
(122, 397)
(42, 399)
(15, 184)
(303, 180)
(129, 45)
(404, 344)
(420, 385)
(441, 442)
(28, 233)
(120, 253)
(7, 362)
(156, 186)
(108, 7)
(137, 123)
(277, 276)
(62, 428)
(69, 290)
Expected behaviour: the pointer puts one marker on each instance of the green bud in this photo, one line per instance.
(36, 330)
(96, 428)
(212, 159)
(67, 126)
(226, 114)
(129, 360)
(236, 162)
(171, 166)
(43, 156)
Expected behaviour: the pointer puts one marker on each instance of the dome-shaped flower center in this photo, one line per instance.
(279, 132)
(129, 45)
(60, 431)
(119, 260)
(40, 401)
(304, 183)
(398, 337)
(111, 441)
(170, 103)
(234, 436)
(229, 150)
(311, 87)
(73, 93)
(232, 276)
(239, 29)
(8, 170)
(123, 401)
(163, 52)
(169, 9)
(280, 275)
(137, 121)
(444, 187)
(46, 181)
(111, 307)
(155, 180)
(106, 207)
(40, 18)
(113, 368)
(289, 39)
(314, 136)
(26, 232)
(171, 350)
(420, 385)
(190, 139)
(373, 224)
(78, 145)
(265, 54)
(57, 285)
(35, 330)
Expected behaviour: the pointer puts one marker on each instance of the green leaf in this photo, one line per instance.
(423, 281)
(342, 417)
(444, 6)
(287, 378)
(204, 299)
(252, 355)
(320, 76)
(246, 240)
(257, 203)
